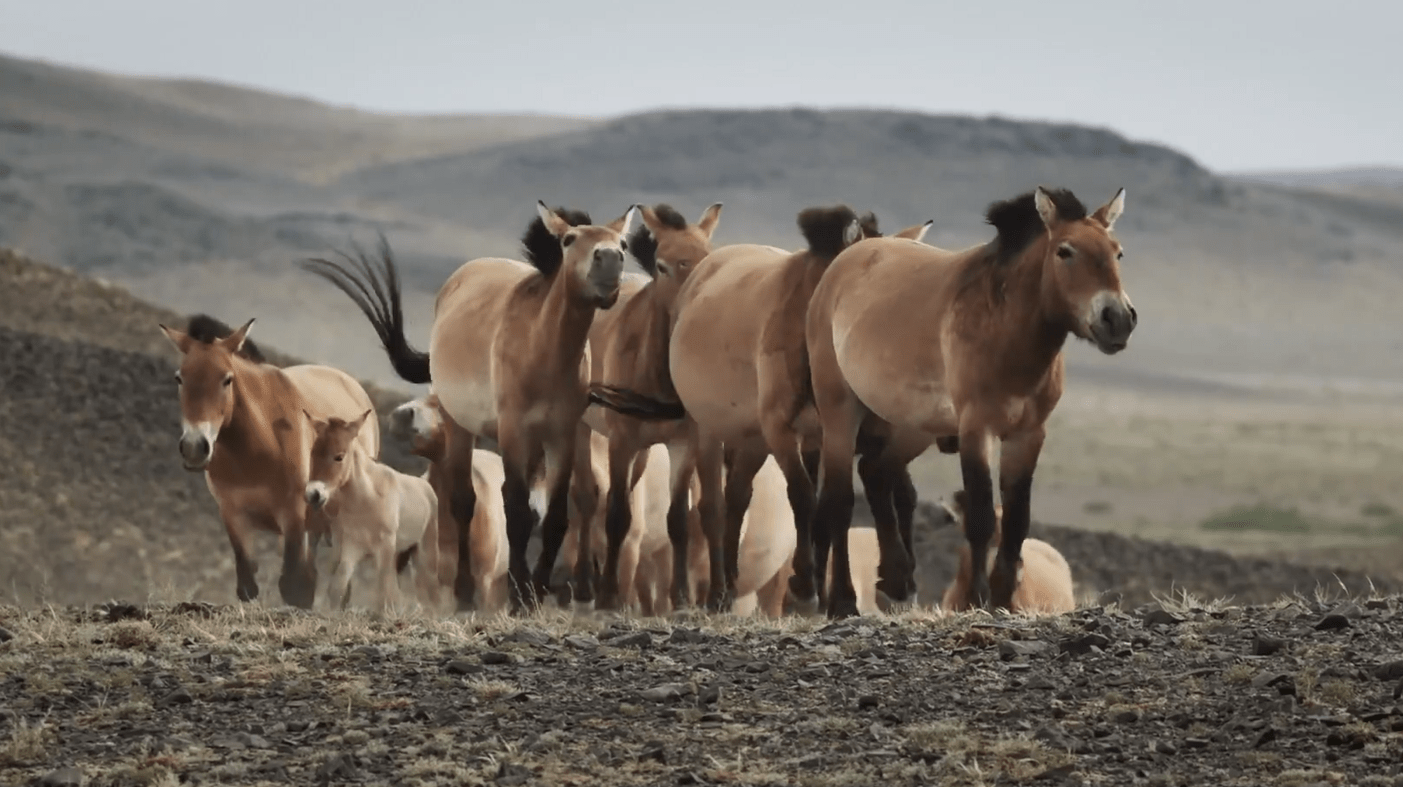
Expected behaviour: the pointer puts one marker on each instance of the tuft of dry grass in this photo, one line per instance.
(27, 743)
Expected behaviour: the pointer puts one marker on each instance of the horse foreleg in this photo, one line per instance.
(519, 463)
(298, 583)
(239, 528)
(618, 521)
(1018, 458)
(584, 493)
(343, 565)
(457, 475)
(739, 488)
(979, 513)
(559, 461)
(426, 560)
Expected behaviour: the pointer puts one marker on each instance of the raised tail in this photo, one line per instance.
(379, 301)
(634, 404)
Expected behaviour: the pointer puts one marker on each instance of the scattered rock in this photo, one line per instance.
(1332, 622)
(663, 693)
(63, 777)
(1157, 615)
(1080, 646)
(1392, 670)
(529, 637)
(1263, 645)
(463, 667)
(638, 639)
(496, 657)
(1011, 648)
(5, 634)
(178, 697)
(582, 641)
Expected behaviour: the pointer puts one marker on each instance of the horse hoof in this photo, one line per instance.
(804, 607)
(585, 607)
(842, 608)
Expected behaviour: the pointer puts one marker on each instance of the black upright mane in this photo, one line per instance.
(541, 248)
(642, 243)
(207, 329)
(1017, 223)
(823, 229)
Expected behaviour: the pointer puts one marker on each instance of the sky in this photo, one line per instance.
(1237, 84)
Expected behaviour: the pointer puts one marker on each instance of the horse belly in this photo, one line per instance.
(468, 317)
(417, 504)
(894, 394)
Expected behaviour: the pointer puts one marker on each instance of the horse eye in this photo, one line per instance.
(339, 457)
(1120, 255)
(228, 380)
(178, 381)
(568, 239)
(623, 245)
(1064, 252)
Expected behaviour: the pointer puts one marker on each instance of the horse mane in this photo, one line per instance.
(868, 224)
(823, 229)
(1017, 224)
(204, 328)
(541, 248)
(642, 243)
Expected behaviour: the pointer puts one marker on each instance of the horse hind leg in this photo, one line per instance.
(739, 489)
(896, 571)
(714, 524)
(618, 522)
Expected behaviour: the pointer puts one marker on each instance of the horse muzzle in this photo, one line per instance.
(195, 452)
(1111, 325)
(317, 496)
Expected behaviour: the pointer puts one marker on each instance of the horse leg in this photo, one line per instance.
(298, 583)
(835, 508)
(426, 559)
(979, 513)
(740, 487)
(462, 497)
(1018, 458)
(385, 572)
(681, 465)
(519, 464)
(896, 572)
(239, 528)
(713, 520)
(560, 460)
(584, 493)
(904, 503)
(344, 560)
(618, 520)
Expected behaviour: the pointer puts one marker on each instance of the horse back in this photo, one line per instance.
(327, 392)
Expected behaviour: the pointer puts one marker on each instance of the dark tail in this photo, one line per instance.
(635, 404)
(379, 301)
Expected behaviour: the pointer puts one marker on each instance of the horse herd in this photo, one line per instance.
(698, 425)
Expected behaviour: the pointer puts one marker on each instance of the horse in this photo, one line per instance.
(629, 349)
(242, 425)
(964, 347)
(509, 360)
(420, 421)
(373, 511)
(738, 365)
(1044, 580)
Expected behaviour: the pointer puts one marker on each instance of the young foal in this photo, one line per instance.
(1044, 580)
(374, 511)
(421, 423)
(964, 346)
(242, 424)
(509, 361)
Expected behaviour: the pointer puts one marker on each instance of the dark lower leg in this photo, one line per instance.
(800, 472)
(979, 517)
(617, 522)
(516, 500)
(553, 527)
(463, 501)
(677, 533)
(896, 573)
(740, 486)
(835, 511)
(1017, 497)
(298, 583)
(904, 503)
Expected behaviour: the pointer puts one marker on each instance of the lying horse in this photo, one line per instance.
(1043, 583)
(242, 424)
(373, 511)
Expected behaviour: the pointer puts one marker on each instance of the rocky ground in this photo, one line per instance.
(1303, 691)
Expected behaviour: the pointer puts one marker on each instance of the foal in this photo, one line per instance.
(374, 511)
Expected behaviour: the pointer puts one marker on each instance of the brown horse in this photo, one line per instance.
(629, 350)
(242, 424)
(964, 347)
(509, 361)
(738, 363)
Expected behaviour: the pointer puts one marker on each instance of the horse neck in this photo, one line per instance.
(254, 384)
(564, 322)
(360, 478)
(1030, 335)
(650, 363)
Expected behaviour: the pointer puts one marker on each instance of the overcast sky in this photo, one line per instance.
(1237, 84)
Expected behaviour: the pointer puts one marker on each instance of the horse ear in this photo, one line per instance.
(915, 233)
(650, 219)
(180, 339)
(710, 218)
(1046, 208)
(554, 224)
(620, 225)
(852, 233)
(235, 341)
(1108, 213)
(359, 422)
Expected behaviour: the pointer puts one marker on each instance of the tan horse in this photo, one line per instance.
(421, 422)
(374, 511)
(964, 346)
(509, 361)
(1044, 580)
(738, 363)
(629, 350)
(242, 425)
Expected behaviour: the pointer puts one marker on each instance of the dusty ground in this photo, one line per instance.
(1300, 692)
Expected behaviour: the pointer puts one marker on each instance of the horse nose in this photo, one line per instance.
(401, 421)
(1118, 320)
(316, 498)
(195, 450)
(1134, 317)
